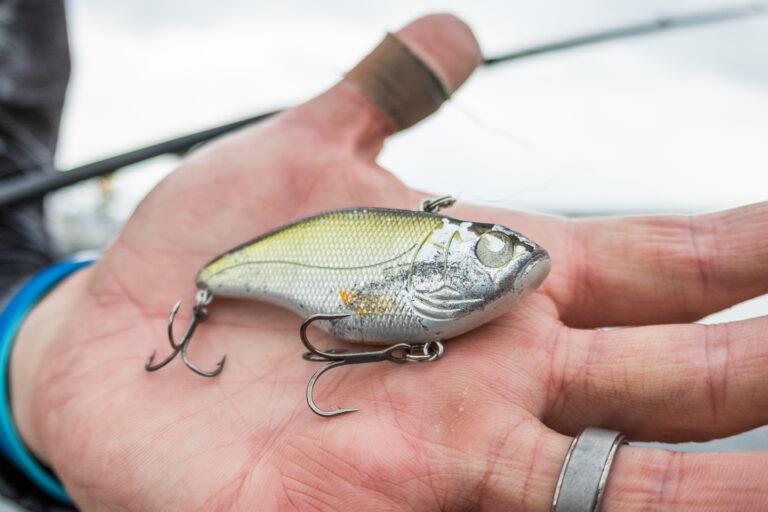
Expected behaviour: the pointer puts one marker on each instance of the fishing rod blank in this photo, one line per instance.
(638, 29)
(33, 187)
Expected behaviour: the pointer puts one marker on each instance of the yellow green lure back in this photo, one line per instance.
(400, 275)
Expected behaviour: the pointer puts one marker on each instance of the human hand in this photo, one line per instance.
(485, 427)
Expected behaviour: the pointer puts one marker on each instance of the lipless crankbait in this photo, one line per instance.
(400, 278)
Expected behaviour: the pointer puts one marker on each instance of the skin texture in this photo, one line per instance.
(485, 428)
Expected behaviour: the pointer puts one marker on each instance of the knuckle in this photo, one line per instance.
(702, 249)
(670, 479)
(715, 364)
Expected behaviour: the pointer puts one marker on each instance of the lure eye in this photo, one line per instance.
(495, 249)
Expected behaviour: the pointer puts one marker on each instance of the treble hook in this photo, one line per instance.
(199, 314)
(397, 353)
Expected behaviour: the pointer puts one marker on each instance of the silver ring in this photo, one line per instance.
(585, 470)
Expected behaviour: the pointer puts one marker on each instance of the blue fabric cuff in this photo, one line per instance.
(11, 318)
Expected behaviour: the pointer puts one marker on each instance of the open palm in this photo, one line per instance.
(486, 427)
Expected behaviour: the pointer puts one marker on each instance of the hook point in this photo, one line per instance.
(311, 388)
(332, 413)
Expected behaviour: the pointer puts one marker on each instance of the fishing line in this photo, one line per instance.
(487, 127)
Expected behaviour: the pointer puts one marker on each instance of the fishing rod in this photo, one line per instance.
(638, 29)
(33, 187)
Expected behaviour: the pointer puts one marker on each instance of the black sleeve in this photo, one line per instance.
(34, 69)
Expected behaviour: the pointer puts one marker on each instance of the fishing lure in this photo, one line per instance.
(402, 279)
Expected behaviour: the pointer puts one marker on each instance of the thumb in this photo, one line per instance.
(399, 83)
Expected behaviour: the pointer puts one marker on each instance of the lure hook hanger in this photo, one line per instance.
(396, 353)
(435, 204)
(199, 315)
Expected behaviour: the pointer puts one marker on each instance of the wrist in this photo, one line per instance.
(37, 332)
(12, 316)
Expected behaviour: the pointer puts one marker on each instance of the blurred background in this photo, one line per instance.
(670, 122)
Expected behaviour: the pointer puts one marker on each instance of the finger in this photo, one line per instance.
(399, 83)
(665, 383)
(644, 479)
(524, 474)
(662, 269)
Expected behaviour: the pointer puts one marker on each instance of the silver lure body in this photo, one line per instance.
(399, 275)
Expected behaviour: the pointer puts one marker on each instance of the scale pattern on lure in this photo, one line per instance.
(400, 275)
(375, 276)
